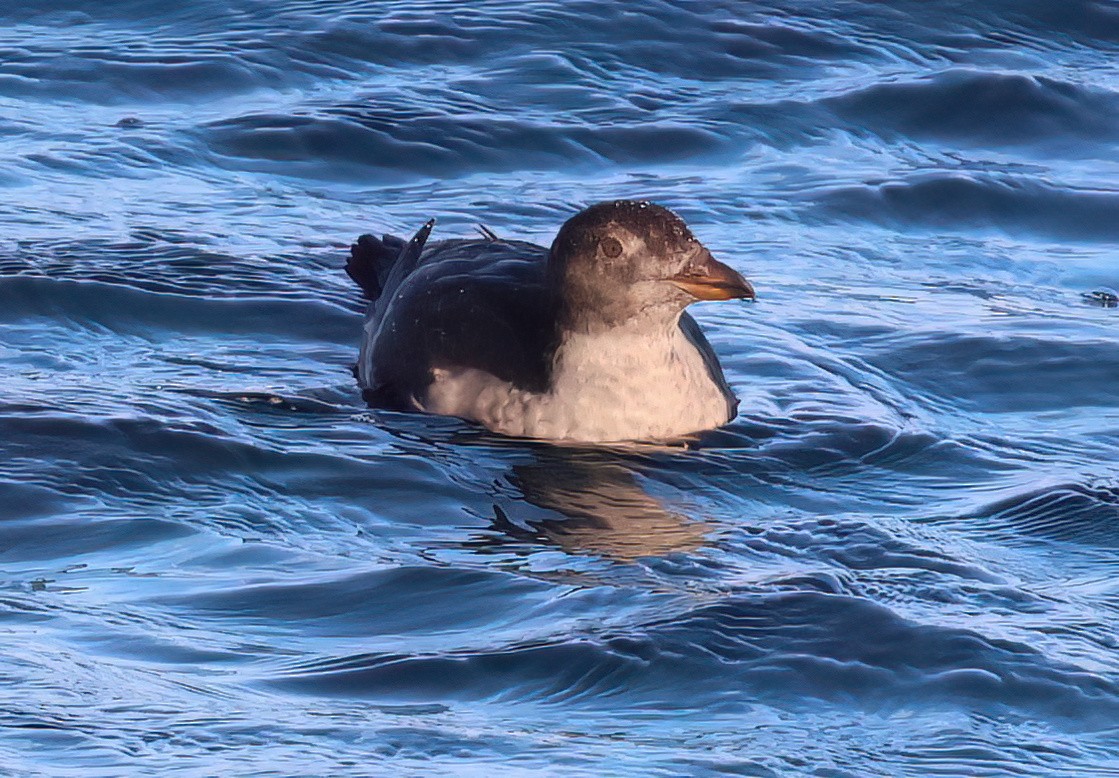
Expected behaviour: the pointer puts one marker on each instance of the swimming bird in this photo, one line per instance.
(587, 340)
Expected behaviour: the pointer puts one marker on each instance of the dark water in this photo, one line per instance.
(900, 559)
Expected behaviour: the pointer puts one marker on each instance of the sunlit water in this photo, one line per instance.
(900, 559)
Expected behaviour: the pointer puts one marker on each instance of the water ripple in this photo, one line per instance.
(897, 560)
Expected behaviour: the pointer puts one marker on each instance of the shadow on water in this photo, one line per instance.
(599, 506)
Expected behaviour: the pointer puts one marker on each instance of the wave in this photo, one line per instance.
(1070, 512)
(789, 650)
(176, 262)
(897, 560)
(1001, 373)
(967, 201)
(988, 108)
(432, 143)
(125, 309)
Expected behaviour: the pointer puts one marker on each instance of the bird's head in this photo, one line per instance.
(622, 260)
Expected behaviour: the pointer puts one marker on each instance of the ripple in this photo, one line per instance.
(134, 311)
(170, 262)
(971, 201)
(385, 606)
(972, 371)
(99, 79)
(1072, 513)
(782, 648)
(898, 560)
(441, 145)
(986, 108)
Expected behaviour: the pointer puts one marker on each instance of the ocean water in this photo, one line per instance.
(901, 559)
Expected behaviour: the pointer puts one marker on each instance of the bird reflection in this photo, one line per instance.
(603, 508)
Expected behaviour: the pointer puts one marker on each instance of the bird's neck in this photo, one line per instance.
(577, 319)
(636, 341)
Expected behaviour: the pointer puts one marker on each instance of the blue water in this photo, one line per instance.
(901, 559)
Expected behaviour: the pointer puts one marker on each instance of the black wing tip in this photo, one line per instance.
(421, 234)
(372, 259)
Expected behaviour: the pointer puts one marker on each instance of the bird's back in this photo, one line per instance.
(480, 304)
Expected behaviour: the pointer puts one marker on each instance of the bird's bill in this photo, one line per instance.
(712, 280)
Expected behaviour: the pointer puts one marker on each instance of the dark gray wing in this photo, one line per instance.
(695, 335)
(469, 304)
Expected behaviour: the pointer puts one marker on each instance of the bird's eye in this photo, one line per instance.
(611, 247)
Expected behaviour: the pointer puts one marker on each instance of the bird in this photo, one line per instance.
(586, 341)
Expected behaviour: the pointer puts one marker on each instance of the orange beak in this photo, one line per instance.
(712, 280)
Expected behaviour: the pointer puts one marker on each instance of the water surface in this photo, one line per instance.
(900, 559)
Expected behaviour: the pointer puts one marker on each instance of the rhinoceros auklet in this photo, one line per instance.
(585, 341)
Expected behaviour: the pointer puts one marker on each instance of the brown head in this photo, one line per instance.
(624, 259)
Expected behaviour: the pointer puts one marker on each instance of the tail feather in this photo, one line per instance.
(372, 262)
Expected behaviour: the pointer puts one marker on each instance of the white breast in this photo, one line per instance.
(614, 386)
